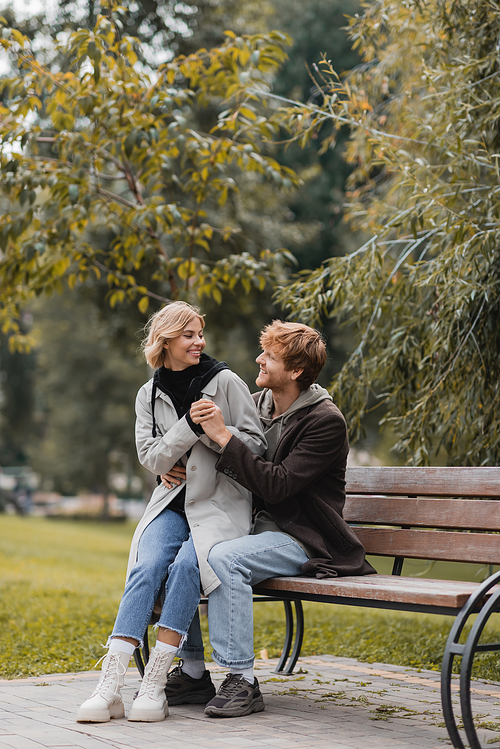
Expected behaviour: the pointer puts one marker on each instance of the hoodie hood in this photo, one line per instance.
(273, 427)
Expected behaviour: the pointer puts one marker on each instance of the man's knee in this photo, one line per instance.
(220, 557)
(232, 557)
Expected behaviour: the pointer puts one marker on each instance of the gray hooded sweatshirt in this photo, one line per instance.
(273, 429)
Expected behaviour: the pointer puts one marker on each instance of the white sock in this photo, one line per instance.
(165, 646)
(247, 673)
(121, 646)
(193, 668)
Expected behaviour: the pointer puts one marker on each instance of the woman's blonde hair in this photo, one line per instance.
(167, 323)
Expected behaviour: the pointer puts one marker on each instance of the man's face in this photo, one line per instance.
(272, 373)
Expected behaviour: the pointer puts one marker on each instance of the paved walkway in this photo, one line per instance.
(331, 703)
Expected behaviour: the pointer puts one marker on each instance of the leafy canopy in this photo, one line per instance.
(111, 147)
(422, 296)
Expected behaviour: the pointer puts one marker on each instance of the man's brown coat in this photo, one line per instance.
(303, 488)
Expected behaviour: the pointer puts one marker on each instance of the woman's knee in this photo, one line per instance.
(152, 568)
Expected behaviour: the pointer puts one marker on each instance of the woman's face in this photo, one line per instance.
(186, 349)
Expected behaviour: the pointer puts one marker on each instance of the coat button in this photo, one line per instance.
(226, 471)
(193, 468)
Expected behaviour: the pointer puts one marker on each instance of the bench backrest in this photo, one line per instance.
(450, 514)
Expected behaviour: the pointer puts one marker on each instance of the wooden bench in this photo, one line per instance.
(450, 514)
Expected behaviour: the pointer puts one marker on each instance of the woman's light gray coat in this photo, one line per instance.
(217, 508)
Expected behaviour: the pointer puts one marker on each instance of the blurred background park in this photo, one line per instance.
(334, 162)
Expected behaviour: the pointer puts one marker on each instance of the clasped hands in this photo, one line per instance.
(206, 413)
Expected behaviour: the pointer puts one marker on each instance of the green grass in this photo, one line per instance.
(61, 582)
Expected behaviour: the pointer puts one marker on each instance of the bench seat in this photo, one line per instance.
(421, 593)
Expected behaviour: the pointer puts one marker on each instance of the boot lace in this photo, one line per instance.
(110, 670)
(153, 671)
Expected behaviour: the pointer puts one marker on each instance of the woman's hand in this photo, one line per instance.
(174, 477)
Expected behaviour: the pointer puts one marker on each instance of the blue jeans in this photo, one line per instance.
(239, 564)
(166, 562)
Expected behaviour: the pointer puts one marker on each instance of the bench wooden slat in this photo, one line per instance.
(437, 481)
(389, 588)
(443, 545)
(473, 514)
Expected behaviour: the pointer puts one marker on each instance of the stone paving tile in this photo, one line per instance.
(332, 702)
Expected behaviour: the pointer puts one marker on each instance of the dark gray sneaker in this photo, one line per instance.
(235, 697)
(182, 689)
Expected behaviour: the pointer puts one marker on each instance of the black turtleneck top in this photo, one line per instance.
(184, 388)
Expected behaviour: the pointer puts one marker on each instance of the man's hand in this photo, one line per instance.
(202, 410)
(215, 427)
(174, 477)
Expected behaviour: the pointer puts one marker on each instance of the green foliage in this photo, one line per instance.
(422, 296)
(106, 147)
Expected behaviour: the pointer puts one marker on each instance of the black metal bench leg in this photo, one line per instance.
(299, 636)
(288, 638)
(141, 658)
(470, 650)
(139, 661)
(454, 648)
(283, 667)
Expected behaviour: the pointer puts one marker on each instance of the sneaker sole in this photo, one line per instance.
(256, 706)
(192, 698)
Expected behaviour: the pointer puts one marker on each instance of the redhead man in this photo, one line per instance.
(298, 491)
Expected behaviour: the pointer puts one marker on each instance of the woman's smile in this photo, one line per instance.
(186, 349)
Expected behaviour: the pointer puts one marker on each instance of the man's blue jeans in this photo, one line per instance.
(166, 560)
(239, 564)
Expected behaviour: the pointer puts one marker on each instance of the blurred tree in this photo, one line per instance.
(166, 28)
(85, 396)
(17, 376)
(316, 28)
(423, 294)
(108, 149)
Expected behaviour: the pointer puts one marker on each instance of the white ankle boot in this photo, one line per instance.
(106, 701)
(151, 704)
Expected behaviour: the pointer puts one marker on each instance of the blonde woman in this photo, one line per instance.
(184, 519)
